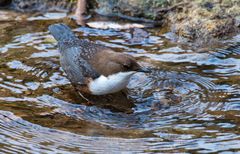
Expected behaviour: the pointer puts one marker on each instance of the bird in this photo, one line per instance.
(93, 68)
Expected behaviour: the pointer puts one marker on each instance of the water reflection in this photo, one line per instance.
(189, 103)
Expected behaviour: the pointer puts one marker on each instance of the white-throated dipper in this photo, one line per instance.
(93, 68)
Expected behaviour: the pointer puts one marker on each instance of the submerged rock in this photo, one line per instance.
(138, 36)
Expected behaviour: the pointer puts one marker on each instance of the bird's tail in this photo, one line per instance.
(61, 32)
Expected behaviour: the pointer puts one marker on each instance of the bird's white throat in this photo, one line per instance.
(110, 84)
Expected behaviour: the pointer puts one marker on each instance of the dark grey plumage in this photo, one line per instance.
(72, 51)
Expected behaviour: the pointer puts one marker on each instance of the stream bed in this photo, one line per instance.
(190, 103)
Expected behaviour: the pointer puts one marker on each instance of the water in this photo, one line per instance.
(189, 103)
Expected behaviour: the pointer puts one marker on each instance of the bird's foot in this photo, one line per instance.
(88, 101)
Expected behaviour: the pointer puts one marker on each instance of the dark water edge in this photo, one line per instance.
(190, 103)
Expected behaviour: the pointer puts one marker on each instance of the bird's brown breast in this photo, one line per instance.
(107, 62)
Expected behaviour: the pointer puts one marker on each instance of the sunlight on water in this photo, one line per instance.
(189, 103)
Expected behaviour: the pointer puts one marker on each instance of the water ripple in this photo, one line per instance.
(189, 103)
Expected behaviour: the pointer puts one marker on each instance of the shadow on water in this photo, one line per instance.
(189, 103)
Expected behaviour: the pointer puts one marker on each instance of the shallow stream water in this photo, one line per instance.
(189, 103)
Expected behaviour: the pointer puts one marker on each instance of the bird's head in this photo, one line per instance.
(128, 63)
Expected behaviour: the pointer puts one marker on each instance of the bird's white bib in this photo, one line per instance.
(110, 84)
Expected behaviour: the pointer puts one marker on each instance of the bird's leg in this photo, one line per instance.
(88, 101)
(82, 89)
(83, 96)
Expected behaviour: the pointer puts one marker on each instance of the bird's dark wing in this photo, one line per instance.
(76, 67)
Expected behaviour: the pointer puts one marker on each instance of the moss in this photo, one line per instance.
(235, 10)
(160, 3)
(227, 2)
(154, 3)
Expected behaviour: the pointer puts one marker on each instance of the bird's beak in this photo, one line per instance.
(144, 70)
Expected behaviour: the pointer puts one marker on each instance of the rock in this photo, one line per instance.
(205, 23)
(133, 8)
(208, 5)
(237, 21)
(42, 5)
(4, 3)
(198, 21)
(138, 36)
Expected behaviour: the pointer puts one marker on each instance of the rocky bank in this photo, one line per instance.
(203, 22)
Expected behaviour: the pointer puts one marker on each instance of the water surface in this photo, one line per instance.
(189, 103)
